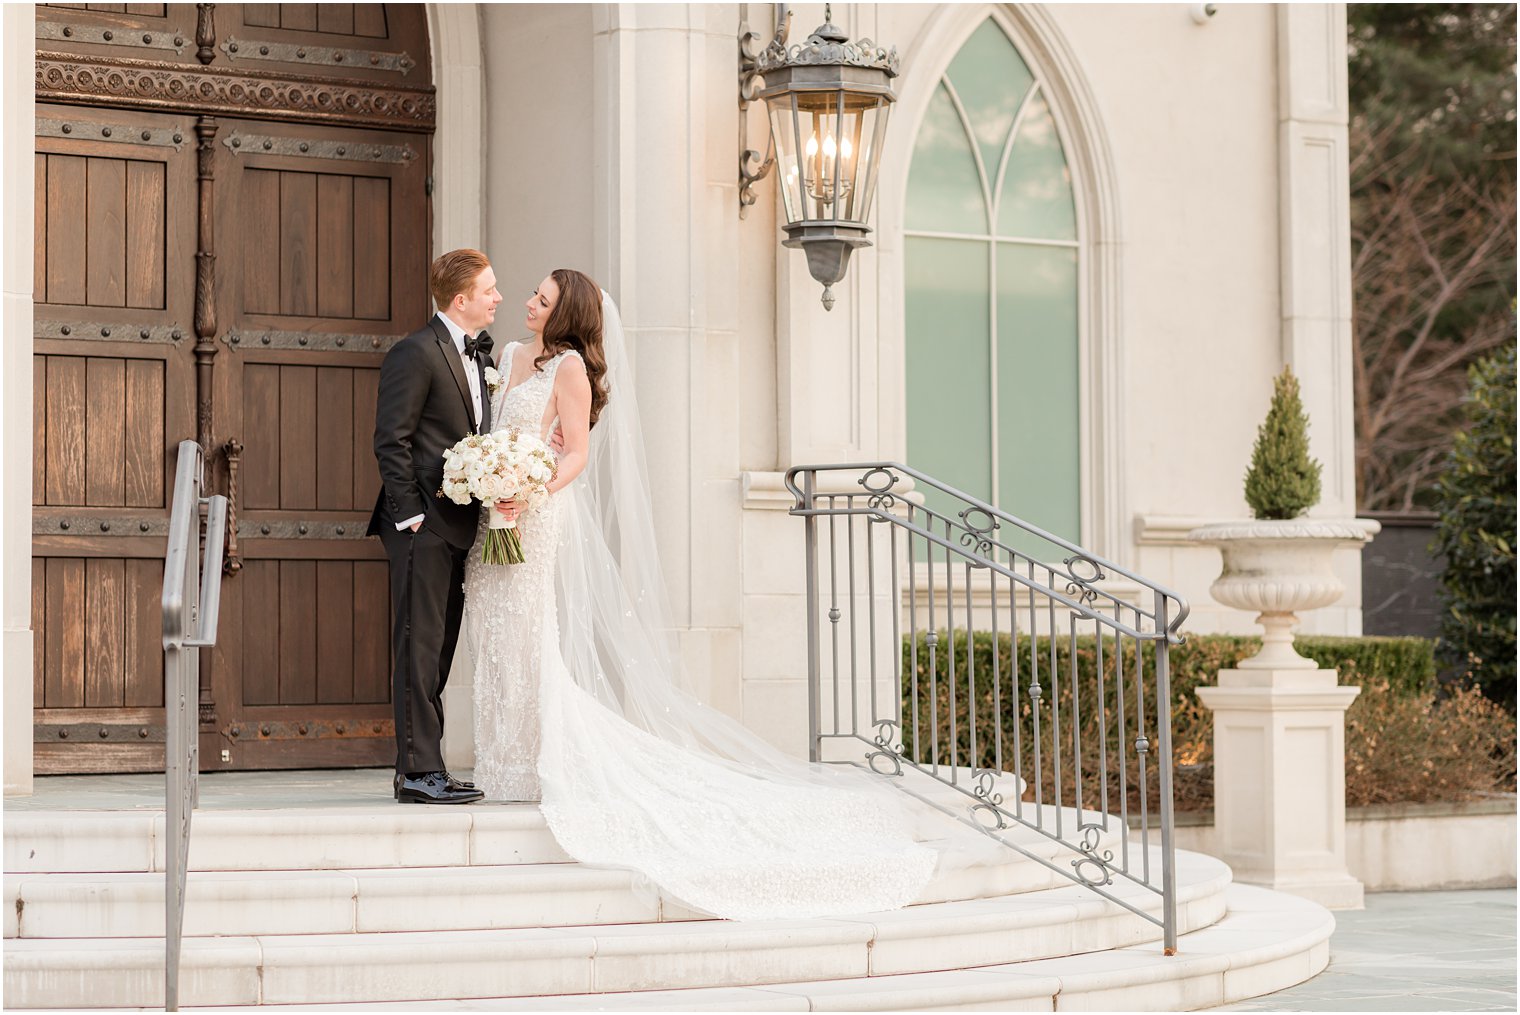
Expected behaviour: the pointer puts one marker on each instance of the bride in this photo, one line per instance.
(578, 702)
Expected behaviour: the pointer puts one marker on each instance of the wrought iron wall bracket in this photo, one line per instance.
(754, 165)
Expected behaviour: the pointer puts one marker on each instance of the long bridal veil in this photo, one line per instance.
(638, 773)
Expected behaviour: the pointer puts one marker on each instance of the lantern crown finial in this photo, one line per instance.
(828, 32)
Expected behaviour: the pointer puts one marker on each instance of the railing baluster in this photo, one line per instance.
(1014, 694)
(1142, 749)
(997, 679)
(871, 612)
(1102, 727)
(955, 739)
(854, 604)
(1055, 708)
(1123, 733)
(1035, 693)
(1077, 778)
(918, 744)
(810, 550)
(834, 604)
(932, 637)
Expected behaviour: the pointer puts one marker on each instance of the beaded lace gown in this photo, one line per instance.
(734, 841)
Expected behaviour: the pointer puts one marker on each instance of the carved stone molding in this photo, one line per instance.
(145, 84)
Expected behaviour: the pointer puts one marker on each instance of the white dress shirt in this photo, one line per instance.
(472, 376)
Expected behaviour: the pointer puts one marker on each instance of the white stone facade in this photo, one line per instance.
(1208, 164)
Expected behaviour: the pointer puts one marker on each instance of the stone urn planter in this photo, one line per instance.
(1279, 568)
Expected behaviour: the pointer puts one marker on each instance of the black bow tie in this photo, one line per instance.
(480, 344)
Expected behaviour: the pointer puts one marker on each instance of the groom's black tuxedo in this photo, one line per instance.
(424, 408)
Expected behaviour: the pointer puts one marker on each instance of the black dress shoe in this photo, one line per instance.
(433, 788)
(457, 783)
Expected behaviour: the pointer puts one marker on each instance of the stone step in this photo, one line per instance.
(477, 897)
(368, 837)
(1267, 941)
(426, 965)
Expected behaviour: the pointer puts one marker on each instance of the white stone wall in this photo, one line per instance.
(630, 170)
(607, 137)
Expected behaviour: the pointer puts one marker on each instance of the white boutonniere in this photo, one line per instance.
(493, 379)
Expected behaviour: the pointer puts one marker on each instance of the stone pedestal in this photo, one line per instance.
(1279, 780)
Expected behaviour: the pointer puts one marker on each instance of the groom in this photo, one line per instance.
(432, 393)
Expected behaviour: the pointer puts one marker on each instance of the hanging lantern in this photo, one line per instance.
(828, 100)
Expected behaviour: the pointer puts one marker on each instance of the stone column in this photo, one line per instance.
(16, 448)
(1279, 779)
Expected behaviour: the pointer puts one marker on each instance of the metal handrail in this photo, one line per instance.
(191, 604)
(888, 472)
(1050, 605)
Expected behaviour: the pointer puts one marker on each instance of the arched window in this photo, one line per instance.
(990, 270)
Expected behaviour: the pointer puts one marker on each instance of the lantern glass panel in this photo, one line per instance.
(785, 133)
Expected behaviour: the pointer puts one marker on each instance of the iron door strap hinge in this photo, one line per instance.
(309, 729)
(97, 524)
(98, 732)
(427, 185)
(322, 56)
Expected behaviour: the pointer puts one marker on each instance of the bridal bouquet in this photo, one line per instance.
(498, 466)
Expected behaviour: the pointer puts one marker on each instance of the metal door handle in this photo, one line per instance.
(233, 449)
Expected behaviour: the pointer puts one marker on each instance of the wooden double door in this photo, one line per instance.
(228, 239)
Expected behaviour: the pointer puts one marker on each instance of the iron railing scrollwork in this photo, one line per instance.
(1027, 675)
(191, 603)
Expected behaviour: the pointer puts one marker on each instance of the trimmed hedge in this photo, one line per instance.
(1398, 668)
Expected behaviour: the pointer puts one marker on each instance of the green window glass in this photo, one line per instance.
(990, 265)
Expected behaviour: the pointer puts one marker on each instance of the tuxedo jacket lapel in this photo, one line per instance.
(450, 353)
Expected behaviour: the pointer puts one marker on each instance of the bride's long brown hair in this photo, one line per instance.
(576, 323)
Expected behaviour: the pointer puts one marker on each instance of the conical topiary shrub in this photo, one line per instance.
(1283, 481)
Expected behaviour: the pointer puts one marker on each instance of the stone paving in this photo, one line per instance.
(1413, 951)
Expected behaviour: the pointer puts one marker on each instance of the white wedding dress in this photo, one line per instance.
(577, 706)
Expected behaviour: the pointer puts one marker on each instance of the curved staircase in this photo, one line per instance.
(369, 904)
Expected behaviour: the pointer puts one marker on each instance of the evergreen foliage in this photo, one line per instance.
(1476, 533)
(1283, 481)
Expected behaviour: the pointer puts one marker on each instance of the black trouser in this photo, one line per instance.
(427, 603)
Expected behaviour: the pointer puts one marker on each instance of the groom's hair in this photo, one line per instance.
(455, 273)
